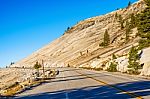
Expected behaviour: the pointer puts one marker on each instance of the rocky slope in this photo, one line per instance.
(79, 46)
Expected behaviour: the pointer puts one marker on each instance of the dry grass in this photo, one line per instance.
(18, 87)
(11, 91)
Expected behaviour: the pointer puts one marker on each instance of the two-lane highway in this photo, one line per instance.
(73, 83)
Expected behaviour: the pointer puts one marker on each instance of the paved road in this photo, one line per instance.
(73, 83)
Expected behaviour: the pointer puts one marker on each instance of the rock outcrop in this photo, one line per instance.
(145, 60)
(81, 43)
(122, 64)
(79, 46)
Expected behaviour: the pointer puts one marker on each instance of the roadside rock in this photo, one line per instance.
(122, 64)
(96, 64)
(145, 58)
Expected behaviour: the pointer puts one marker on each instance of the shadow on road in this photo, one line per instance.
(141, 88)
(70, 69)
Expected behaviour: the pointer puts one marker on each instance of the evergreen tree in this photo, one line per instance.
(134, 60)
(68, 28)
(37, 66)
(129, 4)
(128, 30)
(114, 56)
(121, 21)
(147, 2)
(133, 20)
(144, 26)
(106, 38)
(12, 63)
(116, 15)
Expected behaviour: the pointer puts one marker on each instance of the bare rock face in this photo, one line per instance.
(145, 58)
(95, 64)
(122, 64)
(80, 44)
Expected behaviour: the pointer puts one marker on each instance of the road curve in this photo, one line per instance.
(74, 83)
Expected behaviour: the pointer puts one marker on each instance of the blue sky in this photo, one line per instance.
(27, 25)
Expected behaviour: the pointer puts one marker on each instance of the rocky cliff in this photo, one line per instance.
(79, 46)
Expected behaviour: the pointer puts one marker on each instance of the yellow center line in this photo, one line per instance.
(121, 90)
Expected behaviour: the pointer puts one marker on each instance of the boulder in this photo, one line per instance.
(95, 64)
(146, 69)
(122, 64)
(145, 59)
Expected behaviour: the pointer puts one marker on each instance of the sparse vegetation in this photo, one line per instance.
(66, 31)
(112, 67)
(12, 89)
(17, 87)
(12, 63)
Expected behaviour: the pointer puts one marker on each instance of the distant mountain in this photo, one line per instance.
(81, 43)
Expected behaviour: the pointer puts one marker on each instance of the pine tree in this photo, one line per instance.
(121, 21)
(106, 38)
(147, 2)
(133, 20)
(114, 56)
(116, 15)
(68, 28)
(134, 60)
(37, 66)
(129, 4)
(128, 30)
(144, 26)
(12, 63)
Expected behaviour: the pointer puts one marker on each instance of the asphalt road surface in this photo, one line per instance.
(74, 83)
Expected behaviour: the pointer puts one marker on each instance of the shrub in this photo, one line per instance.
(131, 71)
(112, 67)
(102, 44)
(114, 56)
